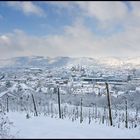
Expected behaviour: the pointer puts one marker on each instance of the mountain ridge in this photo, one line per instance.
(63, 61)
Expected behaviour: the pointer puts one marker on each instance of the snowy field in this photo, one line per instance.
(47, 127)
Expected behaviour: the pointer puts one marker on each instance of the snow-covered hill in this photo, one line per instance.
(40, 61)
(47, 127)
(112, 61)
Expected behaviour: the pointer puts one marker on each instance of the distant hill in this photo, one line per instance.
(48, 62)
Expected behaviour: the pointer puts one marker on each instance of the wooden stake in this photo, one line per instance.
(109, 104)
(36, 114)
(59, 107)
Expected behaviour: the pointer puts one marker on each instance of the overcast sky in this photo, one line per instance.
(87, 29)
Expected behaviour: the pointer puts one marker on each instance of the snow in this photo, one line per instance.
(6, 62)
(51, 61)
(120, 92)
(137, 88)
(47, 127)
(24, 86)
(134, 61)
(111, 61)
(3, 93)
(6, 93)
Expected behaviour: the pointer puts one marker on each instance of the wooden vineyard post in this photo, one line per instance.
(7, 102)
(81, 114)
(36, 114)
(109, 104)
(59, 107)
(126, 116)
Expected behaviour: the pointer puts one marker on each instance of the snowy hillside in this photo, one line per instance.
(134, 61)
(6, 62)
(112, 61)
(47, 127)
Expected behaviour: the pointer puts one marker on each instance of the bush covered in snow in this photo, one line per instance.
(5, 125)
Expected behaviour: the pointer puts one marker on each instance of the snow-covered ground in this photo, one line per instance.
(47, 127)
